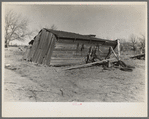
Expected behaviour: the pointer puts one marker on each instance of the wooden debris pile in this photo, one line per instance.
(107, 63)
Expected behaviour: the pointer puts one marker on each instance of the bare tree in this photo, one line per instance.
(16, 27)
(133, 40)
(142, 43)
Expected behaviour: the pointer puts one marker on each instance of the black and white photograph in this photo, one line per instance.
(77, 54)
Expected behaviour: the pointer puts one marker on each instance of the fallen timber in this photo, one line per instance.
(98, 62)
(90, 64)
(121, 65)
(138, 56)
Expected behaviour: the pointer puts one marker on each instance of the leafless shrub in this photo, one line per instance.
(125, 45)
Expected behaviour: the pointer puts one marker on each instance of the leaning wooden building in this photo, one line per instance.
(52, 47)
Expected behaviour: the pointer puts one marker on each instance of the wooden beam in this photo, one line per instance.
(109, 53)
(138, 56)
(90, 64)
(52, 58)
(114, 53)
(118, 48)
(100, 50)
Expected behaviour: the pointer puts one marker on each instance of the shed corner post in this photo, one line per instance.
(118, 48)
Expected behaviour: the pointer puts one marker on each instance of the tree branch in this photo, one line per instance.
(15, 27)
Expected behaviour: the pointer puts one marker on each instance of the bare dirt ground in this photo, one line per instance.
(25, 81)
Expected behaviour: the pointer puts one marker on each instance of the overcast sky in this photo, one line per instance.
(105, 21)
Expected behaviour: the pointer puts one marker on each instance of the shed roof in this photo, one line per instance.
(70, 35)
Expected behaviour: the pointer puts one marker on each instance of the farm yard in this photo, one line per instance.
(30, 82)
(80, 59)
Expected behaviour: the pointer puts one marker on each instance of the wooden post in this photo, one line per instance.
(114, 53)
(118, 47)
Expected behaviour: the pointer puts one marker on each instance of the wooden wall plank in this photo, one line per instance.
(45, 47)
(49, 54)
(66, 62)
(39, 56)
(34, 47)
(48, 48)
(36, 56)
(41, 47)
(69, 50)
(37, 52)
(73, 41)
(26, 52)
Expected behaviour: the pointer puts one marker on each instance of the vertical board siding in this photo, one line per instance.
(34, 47)
(42, 46)
(47, 47)
(37, 52)
(51, 47)
(26, 52)
(36, 56)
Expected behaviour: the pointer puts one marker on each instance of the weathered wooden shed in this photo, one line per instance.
(53, 47)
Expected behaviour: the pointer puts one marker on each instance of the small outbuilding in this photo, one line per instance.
(53, 47)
